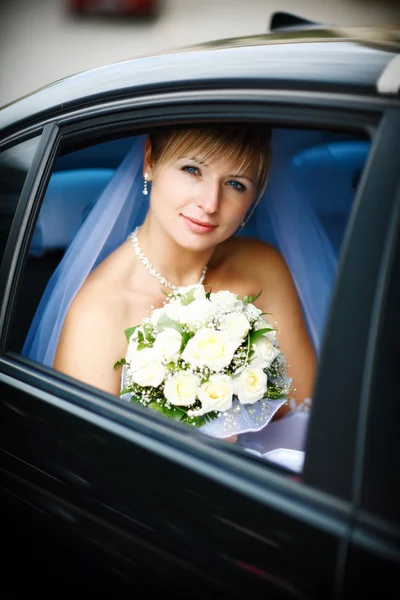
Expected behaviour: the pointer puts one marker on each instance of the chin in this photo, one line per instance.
(197, 242)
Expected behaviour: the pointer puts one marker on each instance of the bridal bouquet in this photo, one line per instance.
(204, 355)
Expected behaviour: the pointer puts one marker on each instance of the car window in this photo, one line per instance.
(317, 171)
(14, 166)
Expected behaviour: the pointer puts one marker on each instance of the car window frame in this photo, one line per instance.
(377, 218)
(17, 243)
(379, 393)
(138, 119)
(375, 533)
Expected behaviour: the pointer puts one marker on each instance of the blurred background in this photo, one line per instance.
(44, 40)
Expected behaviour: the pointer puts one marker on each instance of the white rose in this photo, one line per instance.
(167, 344)
(172, 310)
(199, 293)
(155, 315)
(132, 349)
(226, 300)
(181, 389)
(236, 325)
(214, 394)
(252, 312)
(211, 348)
(271, 336)
(146, 369)
(251, 385)
(196, 313)
(264, 353)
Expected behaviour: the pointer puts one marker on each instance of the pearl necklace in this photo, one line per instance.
(142, 257)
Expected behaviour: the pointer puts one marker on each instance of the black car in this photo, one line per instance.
(102, 497)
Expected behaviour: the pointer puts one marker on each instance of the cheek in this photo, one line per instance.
(168, 191)
(161, 195)
(235, 210)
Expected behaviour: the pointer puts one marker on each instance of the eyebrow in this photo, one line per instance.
(195, 159)
(242, 177)
(201, 162)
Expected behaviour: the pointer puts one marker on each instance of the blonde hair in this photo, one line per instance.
(241, 143)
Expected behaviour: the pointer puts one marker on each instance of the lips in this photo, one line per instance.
(198, 226)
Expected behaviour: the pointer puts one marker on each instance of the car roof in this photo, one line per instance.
(339, 60)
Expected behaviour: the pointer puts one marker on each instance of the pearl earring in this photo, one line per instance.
(145, 191)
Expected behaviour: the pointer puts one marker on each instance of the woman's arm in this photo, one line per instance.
(90, 343)
(280, 298)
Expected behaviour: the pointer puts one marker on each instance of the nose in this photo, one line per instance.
(210, 197)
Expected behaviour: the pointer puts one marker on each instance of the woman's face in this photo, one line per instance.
(200, 204)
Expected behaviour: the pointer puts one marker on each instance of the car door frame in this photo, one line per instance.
(306, 496)
(373, 556)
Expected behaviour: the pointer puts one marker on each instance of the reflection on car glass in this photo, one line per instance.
(286, 457)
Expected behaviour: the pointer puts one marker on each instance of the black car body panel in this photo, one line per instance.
(101, 496)
(331, 61)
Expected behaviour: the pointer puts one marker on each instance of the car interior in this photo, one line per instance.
(325, 167)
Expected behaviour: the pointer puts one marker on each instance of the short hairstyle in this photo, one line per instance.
(239, 142)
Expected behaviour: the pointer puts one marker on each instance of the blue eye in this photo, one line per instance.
(236, 185)
(190, 169)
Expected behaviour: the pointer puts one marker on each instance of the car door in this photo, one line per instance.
(104, 495)
(373, 558)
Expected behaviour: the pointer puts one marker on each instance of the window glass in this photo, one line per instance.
(303, 213)
(14, 166)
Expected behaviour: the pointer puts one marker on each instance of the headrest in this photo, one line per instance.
(328, 174)
(69, 198)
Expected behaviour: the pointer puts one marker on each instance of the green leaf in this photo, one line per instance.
(185, 338)
(125, 391)
(130, 331)
(201, 420)
(140, 336)
(250, 299)
(143, 345)
(148, 333)
(188, 297)
(255, 335)
(170, 365)
(157, 406)
(257, 296)
(133, 398)
(164, 322)
(174, 413)
(208, 295)
(119, 363)
(275, 395)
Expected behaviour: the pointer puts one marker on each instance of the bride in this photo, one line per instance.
(204, 186)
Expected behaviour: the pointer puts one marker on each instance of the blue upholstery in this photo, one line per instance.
(327, 176)
(69, 198)
(324, 171)
(324, 174)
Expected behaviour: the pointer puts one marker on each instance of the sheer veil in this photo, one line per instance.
(281, 217)
(120, 207)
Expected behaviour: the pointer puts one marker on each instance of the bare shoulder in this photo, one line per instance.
(92, 338)
(252, 254)
(95, 309)
(100, 300)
